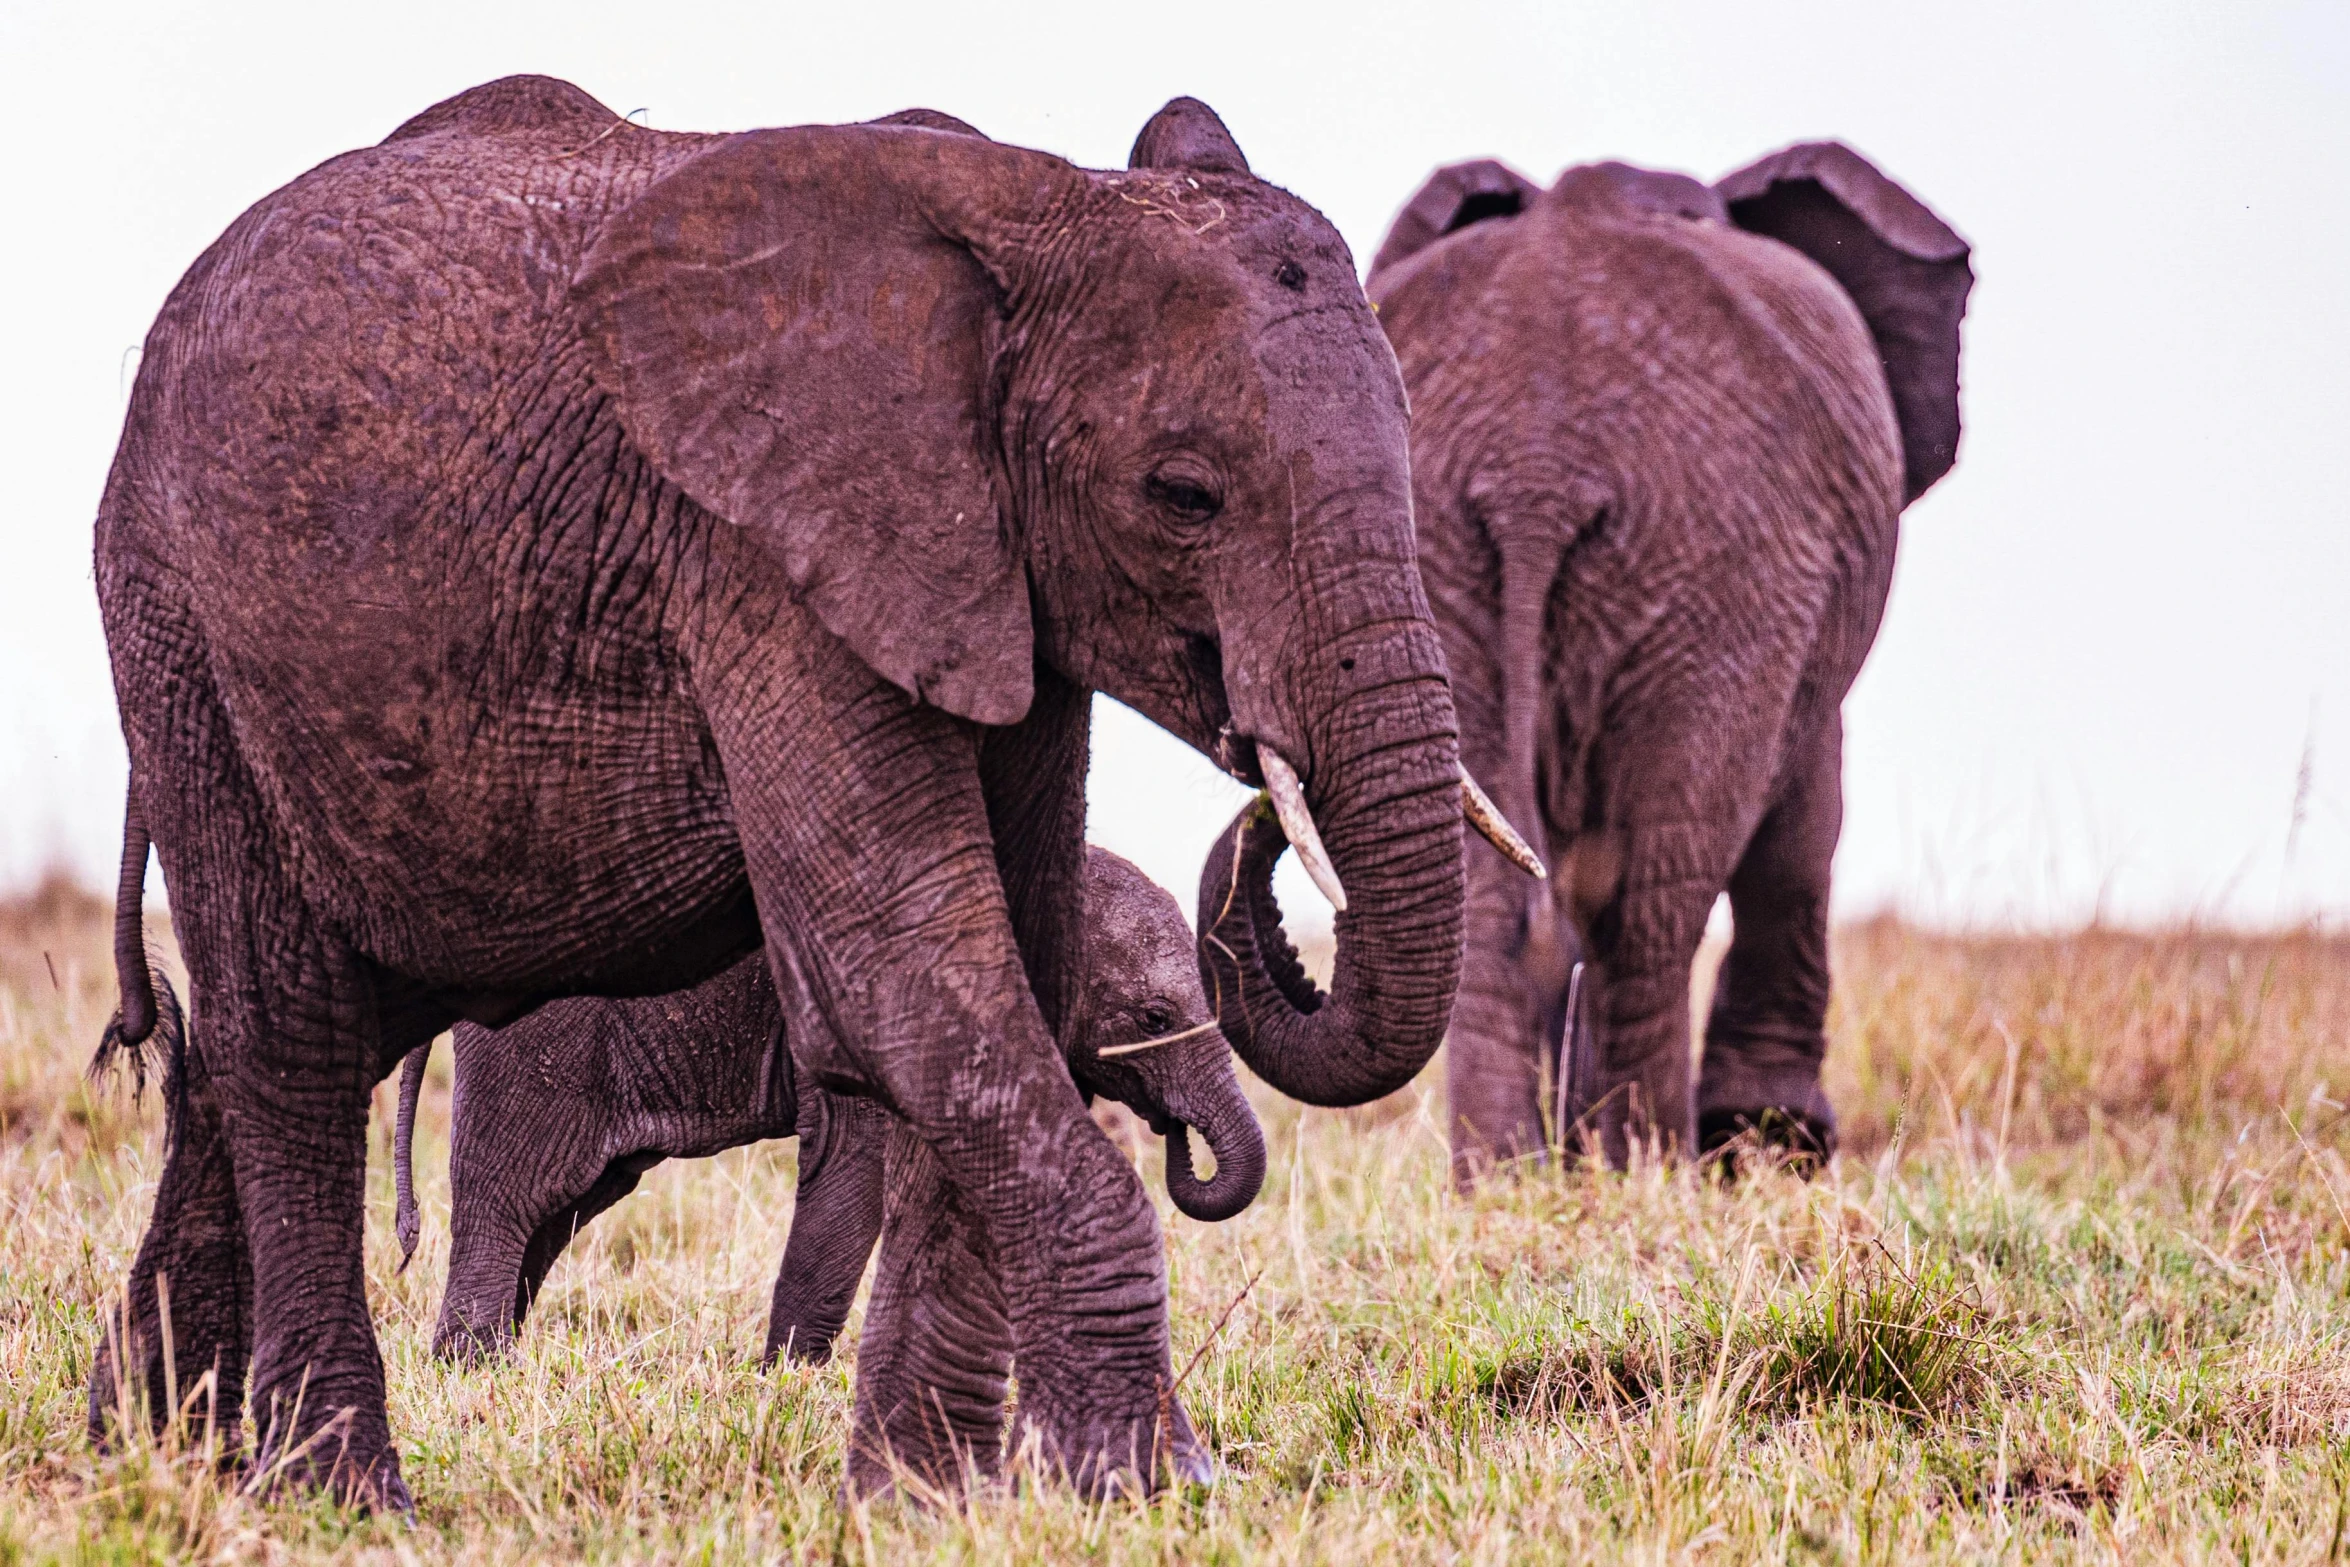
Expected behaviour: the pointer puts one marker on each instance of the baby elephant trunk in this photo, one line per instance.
(1237, 1142)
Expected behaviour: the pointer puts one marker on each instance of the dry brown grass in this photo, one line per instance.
(2078, 1289)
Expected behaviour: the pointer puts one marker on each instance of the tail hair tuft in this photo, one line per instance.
(158, 1055)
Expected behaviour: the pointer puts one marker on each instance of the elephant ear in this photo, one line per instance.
(1904, 267)
(796, 328)
(1187, 134)
(1454, 197)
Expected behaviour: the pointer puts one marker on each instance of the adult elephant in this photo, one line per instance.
(1662, 438)
(547, 556)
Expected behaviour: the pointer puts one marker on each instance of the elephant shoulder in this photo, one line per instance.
(509, 105)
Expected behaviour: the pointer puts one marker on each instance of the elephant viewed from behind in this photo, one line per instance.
(1662, 437)
(558, 1116)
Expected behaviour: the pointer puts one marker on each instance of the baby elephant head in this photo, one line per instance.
(1146, 1038)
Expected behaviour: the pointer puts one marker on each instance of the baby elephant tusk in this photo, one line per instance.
(1289, 803)
(1497, 830)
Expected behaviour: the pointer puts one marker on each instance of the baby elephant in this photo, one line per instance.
(559, 1115)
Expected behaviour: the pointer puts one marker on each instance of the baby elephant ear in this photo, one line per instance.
(1187, 134)
(1904, 267)
(1454, 198)
(795, 326)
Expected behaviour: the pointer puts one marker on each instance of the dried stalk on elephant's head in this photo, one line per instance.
(1140, 1045)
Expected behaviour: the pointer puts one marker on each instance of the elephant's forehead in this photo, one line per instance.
(1140, 941)
(1146, 935)
(1241, 228)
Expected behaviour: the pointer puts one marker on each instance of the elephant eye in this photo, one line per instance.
(1184, 491)
(1158, 1017)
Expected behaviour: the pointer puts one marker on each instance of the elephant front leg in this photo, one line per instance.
(193, 1265)
(1767, 1036)
(1062, 1222)
(874, 866)
(937, 1349)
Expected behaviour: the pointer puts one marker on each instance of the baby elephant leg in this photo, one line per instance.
(516, 1197)
(834, 1222)
(1767, 1036)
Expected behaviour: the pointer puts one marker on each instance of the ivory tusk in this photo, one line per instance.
(1289, 803)
(1497, 830)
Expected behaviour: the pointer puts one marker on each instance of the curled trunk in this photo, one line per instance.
(1238, 1143)
(1397, 847)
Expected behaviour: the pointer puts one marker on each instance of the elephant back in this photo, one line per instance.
(512, 104)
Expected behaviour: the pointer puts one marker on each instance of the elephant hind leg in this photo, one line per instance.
(195, 800)
(1767, 1036)
(258, 1235)
(501, 1249)
(293, 1043)
(548, 1241)
(193, 1260)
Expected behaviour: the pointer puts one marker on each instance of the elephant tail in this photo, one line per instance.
(406, 1221)
(148, 1032)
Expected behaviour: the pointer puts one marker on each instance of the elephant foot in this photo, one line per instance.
(472, 1344)
(793, 1350)
(347, 1456)
(364, 1486)
(926, 1457)
(200, 1419)
(132, 1387)
(121, 1396)
(1133, 1457)
(1793, 1140)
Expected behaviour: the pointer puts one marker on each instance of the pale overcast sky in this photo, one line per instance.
(2117, 660)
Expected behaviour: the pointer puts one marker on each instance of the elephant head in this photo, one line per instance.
(988, 410)
(1144, 1036)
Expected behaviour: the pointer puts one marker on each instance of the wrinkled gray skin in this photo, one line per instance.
(550, 557)
(559, 1115)
(1662, 435)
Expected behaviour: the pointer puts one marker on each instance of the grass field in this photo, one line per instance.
(2078, 1288)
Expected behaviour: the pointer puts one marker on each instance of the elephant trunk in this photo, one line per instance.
(1388, 806)
(1238, 1143)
